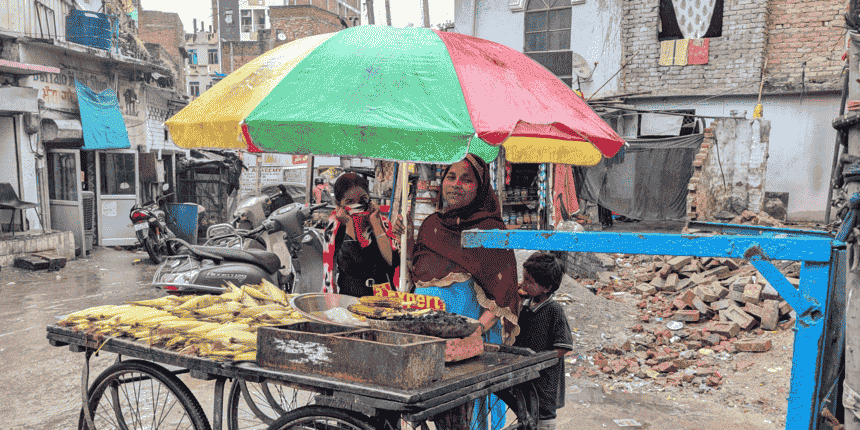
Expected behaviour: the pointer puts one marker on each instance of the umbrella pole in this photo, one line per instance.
(404, 198)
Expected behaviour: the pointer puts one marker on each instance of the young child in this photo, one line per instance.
(544, 327)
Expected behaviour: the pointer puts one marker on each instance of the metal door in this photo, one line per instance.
(117, 190)
(64, 192)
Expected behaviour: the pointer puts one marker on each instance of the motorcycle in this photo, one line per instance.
(150, 226)
(207, 269)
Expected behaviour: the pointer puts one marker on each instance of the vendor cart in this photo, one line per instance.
(120, 396)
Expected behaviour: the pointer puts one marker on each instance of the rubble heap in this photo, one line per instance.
(725, 308)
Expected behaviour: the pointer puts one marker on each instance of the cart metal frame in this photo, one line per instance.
(500, 368)
(819, 301)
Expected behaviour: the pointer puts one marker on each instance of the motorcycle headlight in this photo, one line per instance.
(180, 278)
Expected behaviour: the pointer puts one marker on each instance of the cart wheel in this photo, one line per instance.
(256, 406)
(321, 417)
(137, 394)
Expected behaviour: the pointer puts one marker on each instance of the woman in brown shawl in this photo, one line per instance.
(479, 283)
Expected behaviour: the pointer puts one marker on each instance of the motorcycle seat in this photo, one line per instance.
(269, 261)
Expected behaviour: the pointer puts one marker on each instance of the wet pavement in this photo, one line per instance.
(41, 384)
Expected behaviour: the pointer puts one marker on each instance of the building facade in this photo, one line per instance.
(245, 27)
(703, 58)
(52, 65)
(203, 63)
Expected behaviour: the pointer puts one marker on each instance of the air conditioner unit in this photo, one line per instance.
(88, 201)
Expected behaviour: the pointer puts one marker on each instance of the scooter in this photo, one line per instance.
(207, 269)
(150, 226)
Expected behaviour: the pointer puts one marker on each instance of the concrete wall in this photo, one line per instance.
(595, 33)
(801, 142)
(58, 242)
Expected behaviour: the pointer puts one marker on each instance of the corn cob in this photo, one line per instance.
(381, 302)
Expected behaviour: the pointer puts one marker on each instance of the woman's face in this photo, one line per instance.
(459, 186)
(354, 195)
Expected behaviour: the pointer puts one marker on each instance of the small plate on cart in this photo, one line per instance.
(328, 308)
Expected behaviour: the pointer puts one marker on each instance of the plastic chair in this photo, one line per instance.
(9, 200)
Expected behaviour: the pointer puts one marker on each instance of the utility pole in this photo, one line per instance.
(425, 11)
(369, 5)
(388, 12)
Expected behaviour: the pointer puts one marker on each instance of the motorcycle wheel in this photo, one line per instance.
(150, 244)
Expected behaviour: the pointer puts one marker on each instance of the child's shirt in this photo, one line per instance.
(544, 328)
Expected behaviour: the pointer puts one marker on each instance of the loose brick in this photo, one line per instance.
(618, 366)
(770, 317)
(731, 264)
(728, 329)
(686, 315)
(769, 293)
(690, 268)
(713, 381)
(740, 282)
(718, 272)
(679, 262)
(705, 294)
(743, 319)
(637, 328)
(712, 339)
(736, 296)
(670, 284)
(784, 308)
(665, 271)
(704, 371)
(752, 293)
(657, 282)
(753, 345)
(646, 289)
(718, 289)
(667, 367)
(722, 304)
(683, 283)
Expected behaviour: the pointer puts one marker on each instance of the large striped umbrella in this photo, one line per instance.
(406, 94)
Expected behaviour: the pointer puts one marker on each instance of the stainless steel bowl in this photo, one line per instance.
(323, 307)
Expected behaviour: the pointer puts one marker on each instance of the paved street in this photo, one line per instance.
(41, 384)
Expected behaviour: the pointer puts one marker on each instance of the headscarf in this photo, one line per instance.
(438, 256)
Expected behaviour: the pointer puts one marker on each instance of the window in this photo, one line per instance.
(194, 88)
(118, 174)
(213, 56)
(62, 176)
(547, 36)
(547, 25)
(690, 19)
(192, 56)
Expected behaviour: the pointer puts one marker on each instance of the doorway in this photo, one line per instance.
(64, 193)
(117, 189)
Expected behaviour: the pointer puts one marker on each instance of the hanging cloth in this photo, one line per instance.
(564, 192)
(694, 16)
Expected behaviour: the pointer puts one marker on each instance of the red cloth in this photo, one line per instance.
(564, 192)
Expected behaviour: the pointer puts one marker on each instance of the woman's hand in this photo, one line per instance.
(399, 228)
(343, 216)
(375, 217)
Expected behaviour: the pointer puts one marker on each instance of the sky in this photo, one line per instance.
(402, 11)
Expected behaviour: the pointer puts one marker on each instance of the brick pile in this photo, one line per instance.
(725, 308)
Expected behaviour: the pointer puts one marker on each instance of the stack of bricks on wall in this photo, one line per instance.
(725, 307)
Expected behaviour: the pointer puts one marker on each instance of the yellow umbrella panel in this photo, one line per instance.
(213, 119)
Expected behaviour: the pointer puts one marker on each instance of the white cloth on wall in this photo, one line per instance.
(694, 16)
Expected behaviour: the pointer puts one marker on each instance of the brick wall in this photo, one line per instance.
(697, 202)
(296, 22)
(165, 29)
(735, 59)
(240, 53)
(804, 30)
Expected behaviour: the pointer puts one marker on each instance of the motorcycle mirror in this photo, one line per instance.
(165, 187)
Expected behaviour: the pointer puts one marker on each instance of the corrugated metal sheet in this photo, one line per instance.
(22, 18)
